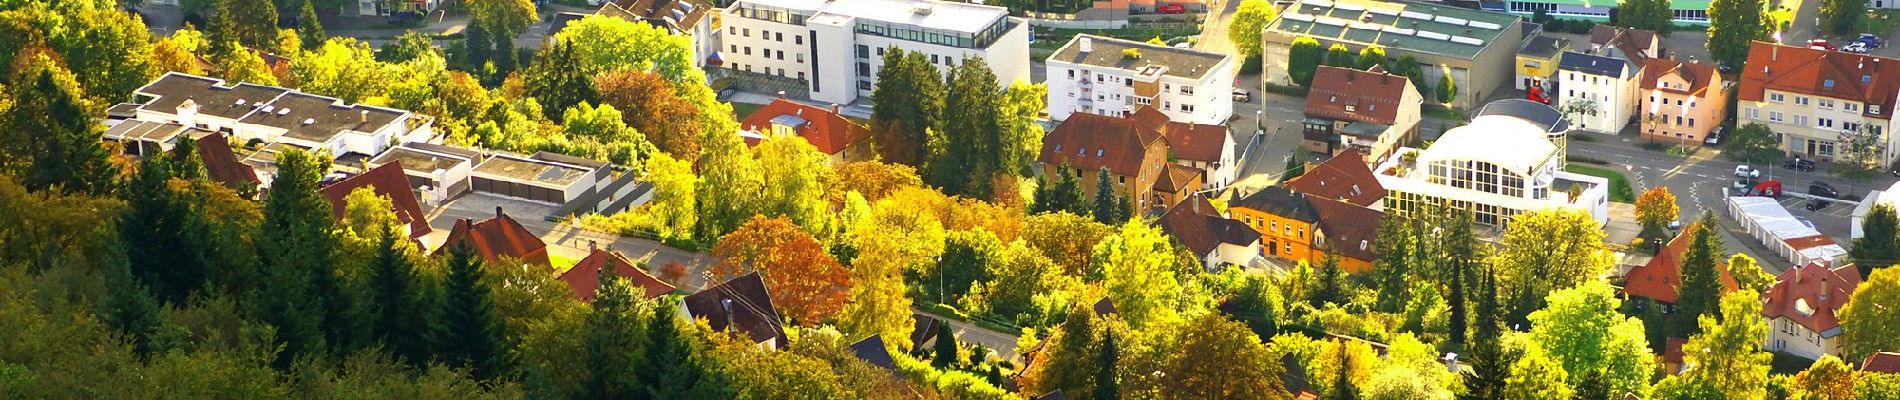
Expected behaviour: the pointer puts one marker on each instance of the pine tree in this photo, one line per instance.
(1457, 300)
(128, 308)
(675, 368)
(1490, 365)
(1105, 385)
(185, 162)
(1105, 198)
(555, 82)
(1395, 249)
(64, 149)
(158, 229)
(1069, 194)
(614, 342)
(1343, 388)
(1461, 253)
(1877, 246)
(401, 299)
(295, 243)
(1701, 291)
(478, 49)
(1592, 386)
(1045, 193)
(309, 29)
(470, 333)
(946, 351)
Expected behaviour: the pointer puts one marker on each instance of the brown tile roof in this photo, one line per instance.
(1280, 202)
(498, 237)
(1633, 39)
(829, 132)
(1804, 243)
(223, 166)
(741, 304)
(1196, 142)
(388, 181)
(1672, 350)
(1848, 76)
(1822, 288)
(1088, 142)
(584, 278)
(1372, 97)
(1883, 362)
(1350, 229)
(1700, 76)
(1660, 278)
(1178, 179)
(1344, 177)
(1196, 224)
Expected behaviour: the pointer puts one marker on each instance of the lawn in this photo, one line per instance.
(1619, 185)
(741, 110)
(562, 264)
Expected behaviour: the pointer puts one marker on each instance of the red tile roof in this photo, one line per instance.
(1199, 227)
(1839, 75)
(223, 166)
(1700, 76)
(1821, 288)
(388, 181)
(1088, 142)
(498, 237)
(829, 132)
(1660, 278)
(1672, 350)
(584, 278)
(1373, 97)
(1351, 229)
(1344, 177)
(1883, 362)
(1178, 179)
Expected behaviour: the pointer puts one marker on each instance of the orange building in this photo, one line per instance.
(1682, 102)
(1136, 156)
(1295, 226)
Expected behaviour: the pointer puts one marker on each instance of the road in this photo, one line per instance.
(1214, 28)
(1003, 342)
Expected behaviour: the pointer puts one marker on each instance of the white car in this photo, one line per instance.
(1855, 47)
(1241, 95)
(1745, 171)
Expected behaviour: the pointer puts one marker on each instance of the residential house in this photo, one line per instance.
(834, 135)
(1114, 77)
(1349, 231)
(873, 351)
(222, 166)
(584, 277)
(836, 47)
(1372, 111)
(1684, 12)
(373, 8)
(1285, 219)
(436, 172)
(694, 19)
(1657, 281)
(543, 177)
(1463, 170)
(1134, 155)
(740, 305)
(923, 333)
(1817, 101)
(1537, 62)
(1678, 95)
(1176, 183)
(1598, 89)
(388, 182)
(141, 138)
(1803, 308)
(496, 238)
(1208, 148)
(1216, 240)
(1344, 178)
(1476, 48)
(1883, 362)
(1631, 40)
(1766, 221)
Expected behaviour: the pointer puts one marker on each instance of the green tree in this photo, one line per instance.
(1732, 25)
(309, 29)
(1137, 265)
(1447, 89)
(1491, 363)
(503, 20)
(1218, 359)
(1752, 143)
(1408, 67)
(163, 232)
(1072, 363)
(964, 155)
(1254, 305)
(251, 23)
(613, 345)
(555, 82)
(906, 104)
(64, 148)
(1843, 17)
(674, 197)
(1748, 275)
(1867, 326)
(1654, 15)
(1249, 19)
(677, 365)
(1333, 288)
(1303, 59)
(1340, 56)
(1827, 379)
(1395, 249)
(1727, 354)
(401, 297)
(469, 334)
(730, 181)
(1105, 198)
(109, 51)
(1877, 246)
(1877, 386)
(128, 308)
(1065, 194)
(1536, 376)
(1543, 251)
(892, 240)
(1371, 56)
(945, 353)
(1462, 252)
(1343, 388)
(1021, 142)
(1106, 386)
(1701, 289)
(1584, 333)
(969, 258)
(296, 250)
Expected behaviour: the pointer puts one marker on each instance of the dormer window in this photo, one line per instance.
(1098, 152)
(1827, 83)
(1058, 147)
(1082, 151)
(1349, 108)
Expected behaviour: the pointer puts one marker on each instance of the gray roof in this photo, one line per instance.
(160, 132)
(532, 169)
(318, 119)
(1537, 113)
(1108, 52)
(1418, 27)
(213, 98)
(1544, 46)
(1593, 64)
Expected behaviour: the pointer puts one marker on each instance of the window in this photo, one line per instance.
(1801, 100)
(1167, 105)
(747, 32)
(1187, 108)
(732, 30)
(801, 58)
(1775, 97)
(1850, 106)
(732, 48)
(880, 52)
(748, 50)
(781, 55)
(1824, 122)
(864, 51)
(1754, 113)
(1692, 122)
(798, 39)
(1071, 74)
(780, 36)
(1187, 90)
(801, 74)
(1775, 116)
(1827, 103)
(933, 58)
(1800, 120)
(864, 70)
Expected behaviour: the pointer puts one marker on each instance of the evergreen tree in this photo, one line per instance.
(1461, 256)
(63, 148)
(1045, 193)
(1701, 291)
(964, 156)
(1068, 194)
(252, 23)
(1343, 388)
(470, 334)
(675, 367)
(1457, 299)
(1254, 306)
(1490, 364)
(400, 296)
(1105, 199)
(505, 57)
(555, 82)
(1592, 386)
(946, 350)
(1394, 240)
(1294, 168)
(906, 105)
(1105, 386)
(309, 29)
(295, 243)
(1123, 210)
(185, 162)
(478, 49)
(1332, 281)
(1878, 246)
(614, 342)
(161, 233)
(128, 308)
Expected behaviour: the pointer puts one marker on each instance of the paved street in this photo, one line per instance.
(1214, 28)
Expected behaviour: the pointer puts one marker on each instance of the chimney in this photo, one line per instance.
(1086, 43)
(1824, 291)
(498, 212)
(1774, 54)
(1672, 55)
(835, 109)
(365, 116)
(592, 245)
(781, 95)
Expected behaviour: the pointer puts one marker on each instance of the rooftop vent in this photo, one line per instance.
(308, 121)
(921, 9)
(239, 102)
(268, 109)
(283, 111)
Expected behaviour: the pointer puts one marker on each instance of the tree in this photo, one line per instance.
(673, 196)
(1105, 198)
(892, 240)
(1332, 283)
(612, 346)
(1021, 135)
(1395, 249)
(660, 109)
(1343, 388)
(969, 257)
(1656, 208)
(607, 44)
(1490, 363)
(1843, 17)
(1340, 56)
(1303, 60)
(1877, 246)
(557, 84)
(109, 51)
(1137, 265)
(1867, 326)
(1248, 20)
(503, 19)
(1748, 275)
(251, 23)
(1877, 386)
(308, 27)
(1653, 15)
(963, 156)
(1447, 89)
(1536, 376)
(729, 184)
(1064, 195)
(946, 351)
(243, 66)
(907, 102)
(469, 334)
(806, 283)
(1701, 289)
(1827, 379)
(1073, 360)
(1254, 305)
(677, 366)
(1860, 154)
(344, 68)
(1294, 167)
(1752, 143)
(1219, 359)
(296, 249)
(1462, 251)
(796, 184)
(128, 308)
(401, 297)
(1542, 251)
(1584, 333)
(64, 149)
(168, 55)
(162, 229)
(1408, 67)
(1371, 56)
(1727, 355)
(1732, 25)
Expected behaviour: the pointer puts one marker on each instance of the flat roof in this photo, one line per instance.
(1108, 52)
(949, 16)
(1541, 46)
(1773, 218)
(145, 130)
(210, 94)
(419, 161)
(524, 169)
(317, 118)
(1418, 27)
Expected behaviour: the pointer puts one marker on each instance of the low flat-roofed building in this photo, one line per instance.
(142, 138)
(1477, 48)
(438, 172)
(1537, 62)
(262, 115)
(543, 177)
(1794, 240)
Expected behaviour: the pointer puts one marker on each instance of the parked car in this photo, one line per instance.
(1820, 44)
(1745, 171)
(1715, 137)
(1798, 164)
(1675, 225)
(1818, 204)
(1872, 40)
(1241, 95)
(1856, 48)
(1822, 189)
(1172, 8)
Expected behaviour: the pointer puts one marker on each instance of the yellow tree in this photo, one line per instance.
(805, 281)
(872, 179)
(1221, 359)
(1137, 267)
(1727, 355)
(1827, 379)
(1655, 208)
(1869, 319)
(1748, 275)
(795, 182)
(892, 239)
(673, 196)
(1546, 250)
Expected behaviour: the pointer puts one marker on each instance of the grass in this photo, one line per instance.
(562, 264)
(1620, 190)
(741, 110)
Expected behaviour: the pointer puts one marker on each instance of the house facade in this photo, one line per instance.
(1683, 102)
(1217, 241)
(1803, 309)
(1463, 171)
(1285, 220)
(1537, 62)
(1114, 77)
(837, 46)
(1820, 102)
(1369, 111)
(1476, 48)
(1207, 148)
(1598, 90)
(1134, 155)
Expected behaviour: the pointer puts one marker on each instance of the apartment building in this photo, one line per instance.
(1477, 48)
(1463, 170)
(1135, 156)
(1537, 62)
(1598, 90)
(1817, 101)
(1114, 77)
(837, 46)
(1683, 101)
(1687, 12)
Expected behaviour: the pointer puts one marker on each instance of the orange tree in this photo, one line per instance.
(1655, 208)
(806, 283)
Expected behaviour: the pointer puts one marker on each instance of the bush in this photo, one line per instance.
(1251, 65)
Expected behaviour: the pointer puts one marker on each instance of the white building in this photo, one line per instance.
(1793, 239)
(1114, 77)
(1464, 169)
(1803, 307)
(837, 46)
(1598, 90)
(1889, 197)
(258, 114)
(693, 19)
